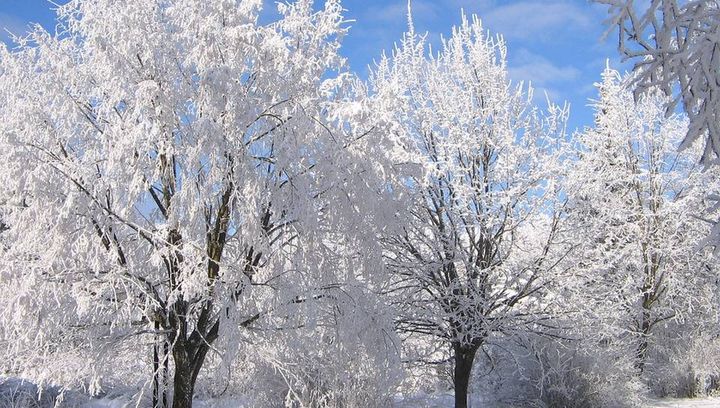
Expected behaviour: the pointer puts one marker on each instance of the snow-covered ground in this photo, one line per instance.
(685, 403)
(435, 402)
(19, 393)
(446, 401)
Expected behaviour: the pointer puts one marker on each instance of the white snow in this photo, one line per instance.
(684, 403)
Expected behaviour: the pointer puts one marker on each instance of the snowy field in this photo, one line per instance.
(441, 401)
(17, 393)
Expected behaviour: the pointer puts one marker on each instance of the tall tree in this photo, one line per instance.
(633, 197)
(477, 243)
(168, 154)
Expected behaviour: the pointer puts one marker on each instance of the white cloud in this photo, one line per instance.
(546, 77)
(539, 20)
(541, 71)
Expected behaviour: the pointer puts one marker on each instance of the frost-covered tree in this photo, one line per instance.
(675, 46)
(476, 244)
(169, 156)
(632, 198)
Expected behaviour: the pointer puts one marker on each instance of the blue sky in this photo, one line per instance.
(556, 44)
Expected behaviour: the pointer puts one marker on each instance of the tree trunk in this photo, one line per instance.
(464, 357)
(160, 371)
(183, 384)
(188, 361)
(641, 353)
(166, 362)
(156, 375)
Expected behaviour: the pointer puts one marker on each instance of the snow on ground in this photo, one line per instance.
(685, 403)
(441, 401)
(15, 392)
(108, 403)
(423, 401)
(445, 400)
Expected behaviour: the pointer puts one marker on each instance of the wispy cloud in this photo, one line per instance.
(534, 20)
(546, 76)
(541, 71)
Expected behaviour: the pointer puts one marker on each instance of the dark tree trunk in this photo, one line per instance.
(166, 362)
(464, 357)
(641, 353)
(189, 355)
(188, 361)
(156, 375)
(183, 384)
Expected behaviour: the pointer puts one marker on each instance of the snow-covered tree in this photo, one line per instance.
(675, 46)
(476, 244)
(169, 156)
(633, 198)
